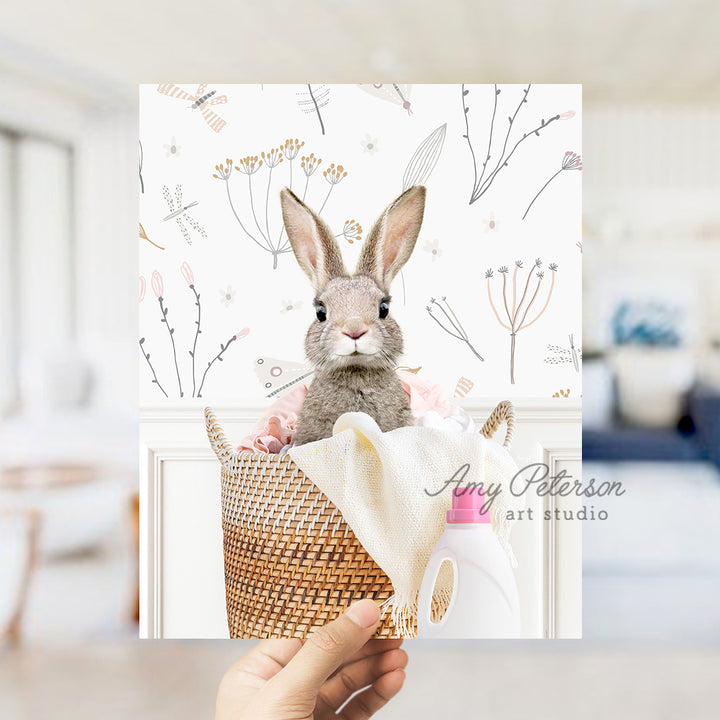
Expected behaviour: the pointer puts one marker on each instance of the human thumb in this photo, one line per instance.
(326, 650)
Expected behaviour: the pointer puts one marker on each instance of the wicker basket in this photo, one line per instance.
(291, 560)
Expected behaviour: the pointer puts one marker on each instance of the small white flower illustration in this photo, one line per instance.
(369, 144)
(433, 248)
(491, 223)
(172, 149)
(290, 305)
(227, 296)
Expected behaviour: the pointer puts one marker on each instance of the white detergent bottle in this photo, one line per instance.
(484, 602)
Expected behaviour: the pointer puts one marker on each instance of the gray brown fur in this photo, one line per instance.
(353, 374)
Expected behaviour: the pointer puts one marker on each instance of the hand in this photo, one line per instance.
(302, 680)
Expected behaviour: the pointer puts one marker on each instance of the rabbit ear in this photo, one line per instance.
(315, 248)
(392, 239)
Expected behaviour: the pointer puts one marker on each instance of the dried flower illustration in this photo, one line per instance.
(290, 149)
(570, 161)
(142, 287)
(352, 231)
(517, 312)
(562, 393)
(309, 164)
(485, 176)
(449, 322)
(273, 158)
(333, 175)
(250, 166)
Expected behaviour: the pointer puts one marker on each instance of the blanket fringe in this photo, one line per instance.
(404, 611)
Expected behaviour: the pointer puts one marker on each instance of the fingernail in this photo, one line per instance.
(364, 613)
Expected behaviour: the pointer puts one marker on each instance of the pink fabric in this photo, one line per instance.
(276, 428)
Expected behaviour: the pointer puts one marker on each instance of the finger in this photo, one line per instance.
(375, 646)
(355, 676)
(327, 649)
(264, 661)
(369, 701)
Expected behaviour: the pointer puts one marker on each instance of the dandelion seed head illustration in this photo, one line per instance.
(571, 161)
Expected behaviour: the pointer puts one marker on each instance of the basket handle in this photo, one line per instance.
(220, 445)
(504, 412)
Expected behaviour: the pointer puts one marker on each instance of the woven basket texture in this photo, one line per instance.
(291, 561)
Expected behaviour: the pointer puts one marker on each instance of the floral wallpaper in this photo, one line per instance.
(490, 301)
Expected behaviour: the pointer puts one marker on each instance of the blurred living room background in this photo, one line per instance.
(68, 291)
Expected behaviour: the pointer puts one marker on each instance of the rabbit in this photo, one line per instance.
(354, 341)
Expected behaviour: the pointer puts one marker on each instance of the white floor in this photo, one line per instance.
(652, 569)
(177, 680)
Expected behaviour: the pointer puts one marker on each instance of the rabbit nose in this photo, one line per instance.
(355, 334)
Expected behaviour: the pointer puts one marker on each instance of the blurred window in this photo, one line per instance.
(37, 258)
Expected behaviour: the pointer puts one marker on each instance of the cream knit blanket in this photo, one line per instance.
(394, 488)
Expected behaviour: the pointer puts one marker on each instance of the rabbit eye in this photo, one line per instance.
(321, 313)
(384, 309)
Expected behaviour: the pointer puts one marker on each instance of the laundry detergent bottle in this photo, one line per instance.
(484, 602)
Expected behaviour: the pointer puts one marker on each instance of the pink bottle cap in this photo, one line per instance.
(467, 505)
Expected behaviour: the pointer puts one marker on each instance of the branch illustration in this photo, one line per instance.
(152, 369)
(187, 273)
(449, 320)
(481, 182)
(518, 318)
(218, 357)
(157, 285)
